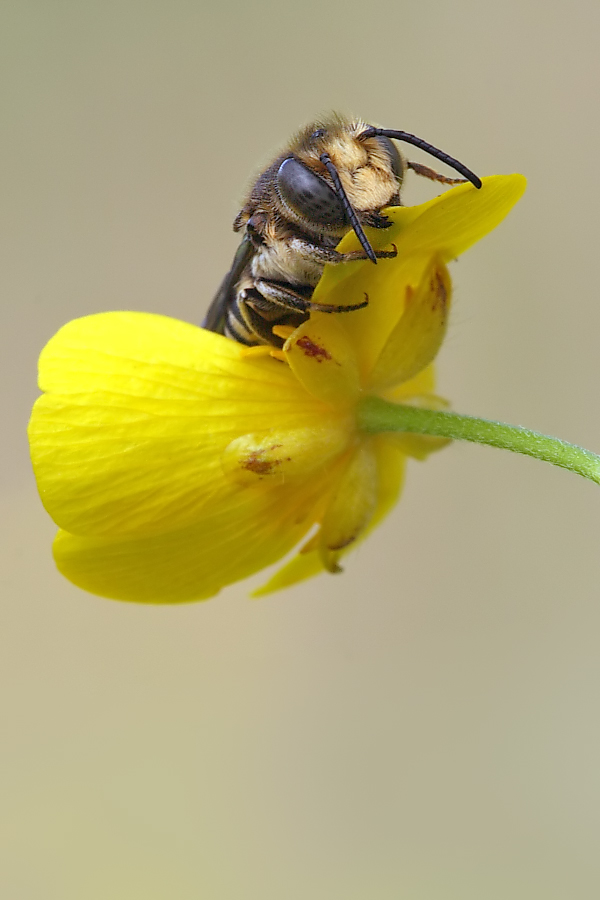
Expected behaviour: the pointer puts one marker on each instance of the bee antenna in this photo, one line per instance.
(422, 145)
(350, 212)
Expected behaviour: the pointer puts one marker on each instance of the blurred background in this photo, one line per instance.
(425, 726)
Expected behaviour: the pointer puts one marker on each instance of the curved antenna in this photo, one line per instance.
(422, 145)
(348, 208)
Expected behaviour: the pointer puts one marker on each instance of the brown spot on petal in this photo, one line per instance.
(256, 463)
(340, 545)
(438, 290)
(313, 350)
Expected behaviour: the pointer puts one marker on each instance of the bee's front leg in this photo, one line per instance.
(320, 254)
(359, 254)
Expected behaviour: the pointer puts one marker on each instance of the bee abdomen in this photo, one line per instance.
(236, 326)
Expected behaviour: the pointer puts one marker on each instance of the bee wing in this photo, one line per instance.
(215, 317)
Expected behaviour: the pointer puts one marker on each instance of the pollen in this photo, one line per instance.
(283, 331)
(258, 351)
(261, 351)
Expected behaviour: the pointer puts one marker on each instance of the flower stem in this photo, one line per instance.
(376, 416)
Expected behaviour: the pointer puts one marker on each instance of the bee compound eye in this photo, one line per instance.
(308, 195)
(393, 153)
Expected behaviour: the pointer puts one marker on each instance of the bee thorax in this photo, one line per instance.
(280, 262)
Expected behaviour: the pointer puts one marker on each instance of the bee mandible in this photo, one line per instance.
(335, 176)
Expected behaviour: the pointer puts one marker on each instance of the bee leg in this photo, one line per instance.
(319, 254)
(376, 220)
(314, 252)
(426, 172)
(284, 296)
(275, 297)
(358, 254)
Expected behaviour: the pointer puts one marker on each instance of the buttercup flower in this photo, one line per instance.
(176, 461)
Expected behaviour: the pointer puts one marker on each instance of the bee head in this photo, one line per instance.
(331, 180)
(370, 171)
(340, 174)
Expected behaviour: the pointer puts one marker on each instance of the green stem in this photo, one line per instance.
(376, 416)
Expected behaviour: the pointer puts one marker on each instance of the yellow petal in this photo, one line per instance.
(418, 335)
(421, 385)
(283, 456)
(248, 532)
(299, 568)
(419, 446)
(453, 222)
(323, 359)
(130, 439)
(351, 506)
(445, 227)
(390, 463)
(391, 466)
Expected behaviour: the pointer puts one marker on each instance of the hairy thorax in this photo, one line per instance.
(279, 261)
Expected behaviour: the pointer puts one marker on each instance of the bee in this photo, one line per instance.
(335, 176)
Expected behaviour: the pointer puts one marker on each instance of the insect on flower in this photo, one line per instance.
(334, 177)
(176, 461)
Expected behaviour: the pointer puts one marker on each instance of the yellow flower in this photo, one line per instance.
(175, 461)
